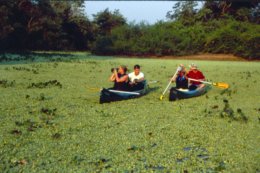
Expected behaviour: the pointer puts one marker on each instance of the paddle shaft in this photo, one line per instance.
(217, 84)
(201, 81)
(170, 82)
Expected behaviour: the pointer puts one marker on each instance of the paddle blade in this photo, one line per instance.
(161, 97)
(94, 89)
(221, 85)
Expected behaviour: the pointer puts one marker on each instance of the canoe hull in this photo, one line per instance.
(110, 95)
(176, 94)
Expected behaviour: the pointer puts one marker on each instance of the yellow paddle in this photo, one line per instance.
(217, 84)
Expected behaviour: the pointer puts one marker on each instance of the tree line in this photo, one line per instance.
(217, 27)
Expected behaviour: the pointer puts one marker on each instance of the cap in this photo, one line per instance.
(193, 66)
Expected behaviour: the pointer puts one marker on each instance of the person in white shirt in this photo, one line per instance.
(136, 78)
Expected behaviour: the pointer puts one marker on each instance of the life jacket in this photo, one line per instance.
(181, 82)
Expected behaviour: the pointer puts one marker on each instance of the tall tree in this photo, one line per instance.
(107, 20)
(44, 24)
(240, 10)
(183, 11)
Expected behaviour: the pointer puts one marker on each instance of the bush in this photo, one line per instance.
(103, 46)
(239, 38)
(174, 38)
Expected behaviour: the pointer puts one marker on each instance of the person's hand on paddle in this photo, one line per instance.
(173, 79)
(135, 81)
(182, 68)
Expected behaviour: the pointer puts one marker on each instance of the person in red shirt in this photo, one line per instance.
(194, 73)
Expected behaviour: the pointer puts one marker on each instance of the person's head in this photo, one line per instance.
(193, 67)
(182, 72)
(137, 69)
(122, 69)
(181, 69)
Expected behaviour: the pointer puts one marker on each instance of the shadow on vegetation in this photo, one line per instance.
(152, 89)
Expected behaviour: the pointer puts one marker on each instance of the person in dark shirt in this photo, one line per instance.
(120, 78)
(194, 73)
(181, 78)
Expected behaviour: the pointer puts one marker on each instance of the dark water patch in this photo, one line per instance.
(103, 113)
(5, 83)
(154, 145)
(47, 115)
(78, 159)
(228, 92)
(16, 132)
(135, 148)
(49, 111)
(203, 156)
(187, 148)
(56, 136)
(62, 59)
(257, 109)
(242, 115)
(228, 112)
(42, 97)
(150, 134)
(155, 168)
(221, 166)
(20, 57)
(199, 152)
(215, 107)
(102, 163)
(92, 62)
(225, 100)
(51, 83)
(181, 160)
(195, 149)
(34, 71)
(29, 124)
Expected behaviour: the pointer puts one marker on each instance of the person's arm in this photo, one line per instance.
(141, 78)
(122, 79)
(112, 78)
(187, 77)
(174, 78)
(202, 77)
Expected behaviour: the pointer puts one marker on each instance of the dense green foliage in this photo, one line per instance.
(51, 120)
(43, 25)
(188, 32)
(218, 27)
